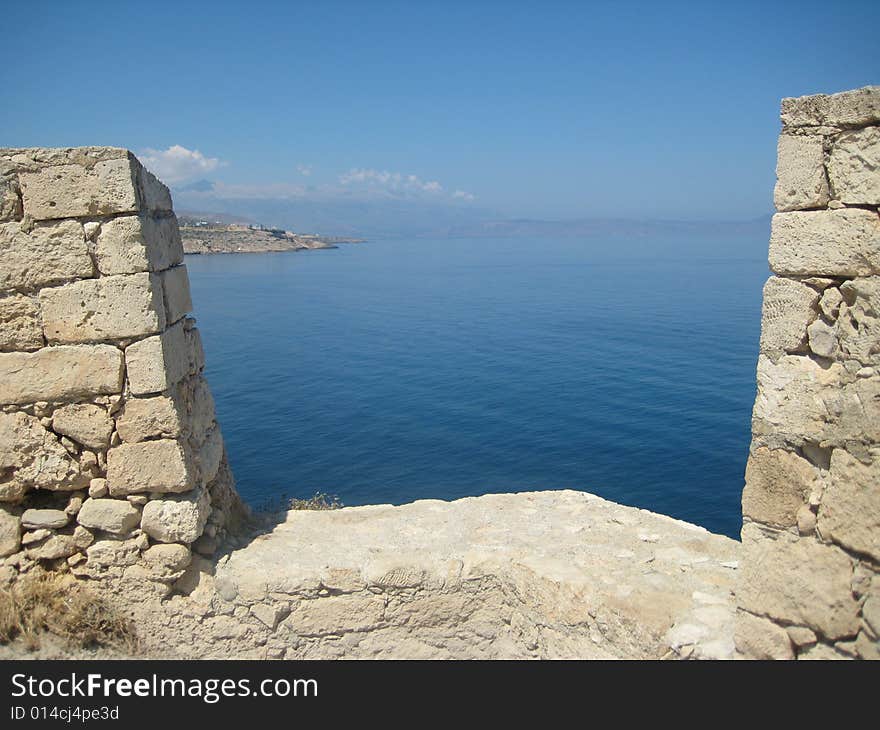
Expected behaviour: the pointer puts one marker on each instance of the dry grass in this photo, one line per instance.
(55, 603)
(318, 501)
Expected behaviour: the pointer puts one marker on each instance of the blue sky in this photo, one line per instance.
(546, 110)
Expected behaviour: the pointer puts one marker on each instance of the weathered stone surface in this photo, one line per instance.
(195, 352)
(178, 301)
(85, 423)
(800, 173)
(149, 466)
(109, 308)
(51, 519)
(210, 456)
(778, 483)
(830, 302)
(480, 575)
(159, 362)
(799, 400)
(177, 519)
(116, 516)
(202, 414)
(844, 242)
(822, 338)
(19, 324)
(31, 457)
(850, 509)
(59, 374)
(57, 546)
(758, 638)
(132, 244)
(95, 188)
(168, 557)
(51, 253)
(797, 580)
(871, 608)
(98, 487)
(858, 325)
(854, 167)
(801, 636)
(789, 306)
(10, 532)
(113, 553)
(144, 418)
(10, 194)
(859, 107)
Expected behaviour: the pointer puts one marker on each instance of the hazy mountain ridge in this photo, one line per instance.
(396, 218)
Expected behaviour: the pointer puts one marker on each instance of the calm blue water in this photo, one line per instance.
(398, 370)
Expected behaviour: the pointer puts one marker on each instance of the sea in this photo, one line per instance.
(403, 369)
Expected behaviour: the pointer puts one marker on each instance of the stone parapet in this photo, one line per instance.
(810, 574)
(109, 445)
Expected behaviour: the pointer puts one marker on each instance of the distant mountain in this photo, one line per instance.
(352, 217)
(192, 217)
(605, 227)
(413, 218)
(199, 186)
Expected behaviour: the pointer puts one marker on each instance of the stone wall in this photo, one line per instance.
(810, 573)
(110, 454)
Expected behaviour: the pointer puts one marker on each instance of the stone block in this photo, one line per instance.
(32, 457)
(10, 532)
(856, 108)
(159, 362)
(822, 338)
(60, 374)
(132, 244)
(95, 188)
(758, 638)
(10, 195)
(178, 301)
(210, 455)
(858, 324)
(149, 466)
(195, 351)
(789, 306)
(797, 581)
(801, 182)
(109, 553)
(843, 242)
(850, 511)
(85, 423)
(116, 516)
(51, 253)
(201, 409)
(177, 519)
(109, 308)
(145, 418)
(854, 167)
(168, 558)
(19, 324)
(801, 401)
(778, 483)
(50, 519)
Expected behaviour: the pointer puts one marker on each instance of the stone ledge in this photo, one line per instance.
(536, 574)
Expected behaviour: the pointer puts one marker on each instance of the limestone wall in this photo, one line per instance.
(810, 573)
(109, 448)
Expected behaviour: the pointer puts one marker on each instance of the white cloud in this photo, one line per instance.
(391, 182)
(356, 184)
(178, 164)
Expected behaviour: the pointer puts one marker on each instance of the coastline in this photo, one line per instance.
(206, 240)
